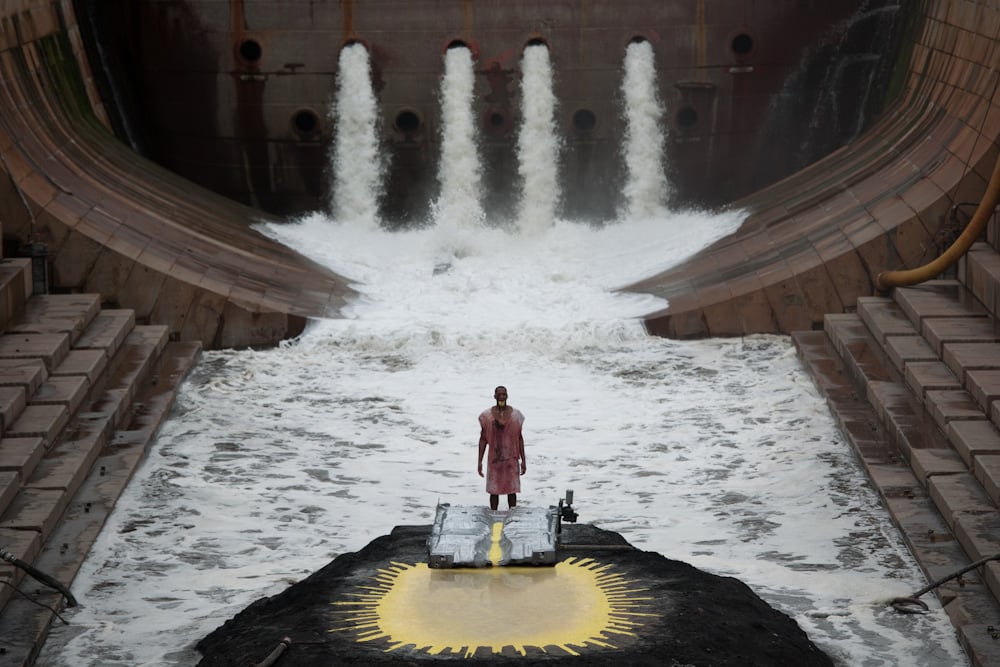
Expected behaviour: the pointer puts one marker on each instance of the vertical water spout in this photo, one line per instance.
(537, 144)
(646, 188)
(460, 169)
(357, 165)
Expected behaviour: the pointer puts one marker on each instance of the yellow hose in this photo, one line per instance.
(889, 279)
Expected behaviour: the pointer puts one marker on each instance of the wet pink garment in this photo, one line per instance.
(503, 473)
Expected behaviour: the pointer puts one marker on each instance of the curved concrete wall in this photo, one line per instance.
(147, 240)
(116, 224)
(814, 242)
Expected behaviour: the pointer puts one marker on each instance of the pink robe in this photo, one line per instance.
(503, 473)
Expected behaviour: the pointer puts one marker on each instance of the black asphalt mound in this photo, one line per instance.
(705, 620)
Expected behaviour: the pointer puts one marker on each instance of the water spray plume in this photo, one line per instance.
(537, 144)
(357, 162)
(460, 169)
(646, 187)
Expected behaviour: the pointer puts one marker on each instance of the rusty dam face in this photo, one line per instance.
(238, 97)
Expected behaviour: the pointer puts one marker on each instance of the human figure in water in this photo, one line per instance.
(500, 430)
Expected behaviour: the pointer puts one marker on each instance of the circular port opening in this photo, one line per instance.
(457, 44)
(742, 44)
(687, 117)
(496, 122)
(536, 41)
(250, 50)
(305, 122)
(584, 120)
(407, 121)
(638, 39)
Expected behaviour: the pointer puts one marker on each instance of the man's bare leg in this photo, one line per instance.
(511, 500)
(494, 501)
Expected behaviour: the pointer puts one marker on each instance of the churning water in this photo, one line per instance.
(715, 452)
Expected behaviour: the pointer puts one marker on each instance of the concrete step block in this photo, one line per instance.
(21, 455)
(59, 313)
(904, 350)
(986, 469)
(88, 363)
(35, 509)
(68, 463)
(154, 401)
(22, 544)
(946, 406)
(973, 438)
(13, 400)
(958, 494)
(984, 385)
(15, 289)
(25, 623)
(983, 275)
(50, 348)
(962, 357)
(111, 405)
(821, 360)
(844, 329)
(936, 298)
(941, 330)
(979, 638)
(136, 361)
(931, 541)
(902, 425)
(68, 390)
(884, 318)
(10, 484)
(43, 421)
(108, 331)
(27, 373)
(979, 535)
(157, 335)
(63, 553)
(928, 462)
(924, 376)
(862, 361)
(46, 306)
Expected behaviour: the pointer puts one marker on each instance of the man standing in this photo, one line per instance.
(500, 428)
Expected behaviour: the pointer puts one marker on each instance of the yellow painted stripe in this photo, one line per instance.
(495, 552)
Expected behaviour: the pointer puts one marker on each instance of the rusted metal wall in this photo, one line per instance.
(235, 95)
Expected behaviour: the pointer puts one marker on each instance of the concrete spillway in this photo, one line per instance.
(185, 257)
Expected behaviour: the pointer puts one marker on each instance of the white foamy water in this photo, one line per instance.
(646, 185)
(717, 452)
(459, 171)
(537, 145)
(356, 158)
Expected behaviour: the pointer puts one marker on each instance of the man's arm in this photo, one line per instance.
(520, 447)
(482, 450)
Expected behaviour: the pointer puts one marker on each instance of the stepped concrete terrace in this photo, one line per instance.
(83, 391)
(913, 380)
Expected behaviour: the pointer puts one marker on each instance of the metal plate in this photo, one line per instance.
(480, 537)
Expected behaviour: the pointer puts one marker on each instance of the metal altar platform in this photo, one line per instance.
(481, 537)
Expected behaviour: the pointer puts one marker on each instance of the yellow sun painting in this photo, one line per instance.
(577, 604)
